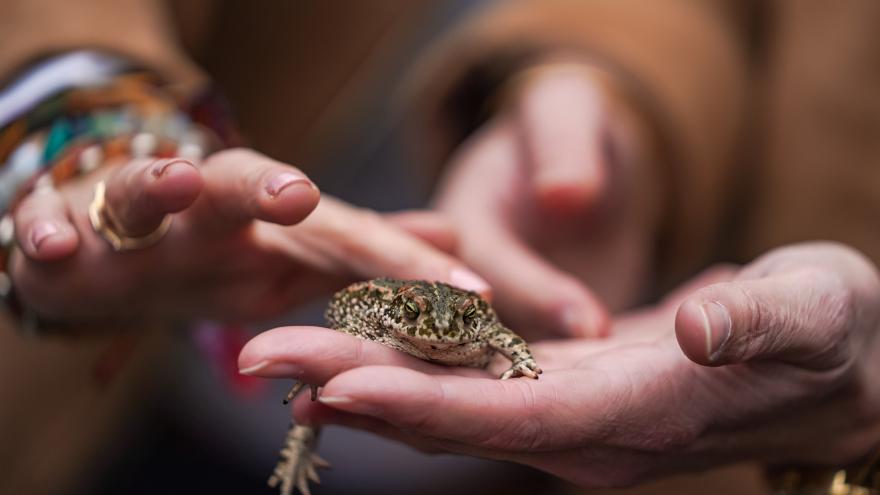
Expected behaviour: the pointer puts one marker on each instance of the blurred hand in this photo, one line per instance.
(553, 194)
(790, 357)
(232, 252)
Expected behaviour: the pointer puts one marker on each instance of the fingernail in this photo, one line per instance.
(283, 181)
(716, 325)
(330, 400)
(250, 370)
(349, 404)
(272, 369)
(160, 166)
(40, 232)
(468, 280)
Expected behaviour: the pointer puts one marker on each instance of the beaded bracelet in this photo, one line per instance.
(72, 133)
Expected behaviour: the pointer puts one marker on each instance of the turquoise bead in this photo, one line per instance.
(56, 141)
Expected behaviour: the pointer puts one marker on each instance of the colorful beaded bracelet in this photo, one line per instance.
(71, 134)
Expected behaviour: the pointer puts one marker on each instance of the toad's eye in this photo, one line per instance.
(411, 310)
(469, 314)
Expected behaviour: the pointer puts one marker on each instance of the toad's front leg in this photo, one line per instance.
(514, 348)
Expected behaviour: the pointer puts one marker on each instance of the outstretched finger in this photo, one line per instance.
(141, 193)
(429, 226)
(561, 118)
(552, 299)
(43, 228)
(354, 242)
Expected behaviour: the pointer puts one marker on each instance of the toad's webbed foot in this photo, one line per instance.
(527, 367)
(299, 462)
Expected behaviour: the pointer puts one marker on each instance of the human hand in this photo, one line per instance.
(231, 253)
(793, 381)
(552, 194)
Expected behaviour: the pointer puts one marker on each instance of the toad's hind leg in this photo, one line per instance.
(299, 462)
(295, 390)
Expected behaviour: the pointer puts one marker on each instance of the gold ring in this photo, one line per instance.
(104, 224)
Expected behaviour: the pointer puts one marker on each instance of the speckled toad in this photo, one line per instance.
(429, 320)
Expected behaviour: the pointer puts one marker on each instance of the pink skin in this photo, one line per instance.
(544, 210)
(249, 241)
(793, 382)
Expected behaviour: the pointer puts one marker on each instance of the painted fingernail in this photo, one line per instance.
(717, 327)
(160, 166)
(283, 181)
(272, 369)
(40, 232)
(468, 280)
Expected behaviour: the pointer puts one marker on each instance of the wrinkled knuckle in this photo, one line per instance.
(753, 321)
(833, 300)
(828, 313)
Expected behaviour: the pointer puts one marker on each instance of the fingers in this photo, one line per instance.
(562, 123)
(42, 226)
(549, 298)
(241, 185)
(535, 291)
(355, 242)
(315, 355)
(481, 412)
(807, 306)
(141, 193)
(432, 227)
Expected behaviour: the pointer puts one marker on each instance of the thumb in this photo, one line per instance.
(562, 118)
(802, 317)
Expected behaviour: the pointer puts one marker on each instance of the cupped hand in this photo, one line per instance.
(552, 196)
(782, 369)
(249, 240)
